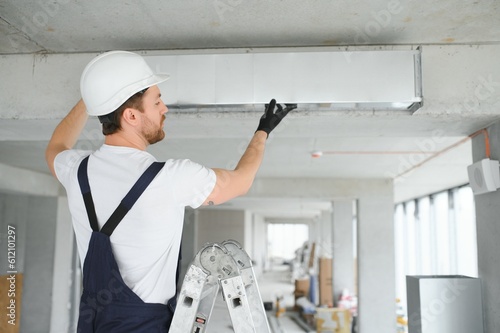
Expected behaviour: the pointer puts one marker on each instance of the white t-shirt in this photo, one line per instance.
(146, 242)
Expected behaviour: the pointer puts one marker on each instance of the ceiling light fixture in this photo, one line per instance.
(316, 154)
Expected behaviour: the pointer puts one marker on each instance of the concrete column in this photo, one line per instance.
(39, 263)
(314, 237)
(248, 233)
(376, 263)
(62, 274)
(325, 243)
(343, 256)
(488, 229)
(259, 239)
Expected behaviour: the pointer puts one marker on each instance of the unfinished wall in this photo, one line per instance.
(216, 225)
(35, 220)
(488, 229)
(189, 234)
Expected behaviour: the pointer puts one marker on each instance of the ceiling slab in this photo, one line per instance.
(83, 26)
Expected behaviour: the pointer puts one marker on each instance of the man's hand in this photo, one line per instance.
(271, 119)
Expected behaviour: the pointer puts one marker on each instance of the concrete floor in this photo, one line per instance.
(272, 284)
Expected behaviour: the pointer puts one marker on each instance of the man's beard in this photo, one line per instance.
(152, 133)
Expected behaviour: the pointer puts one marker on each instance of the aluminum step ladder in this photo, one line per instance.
(223, 266)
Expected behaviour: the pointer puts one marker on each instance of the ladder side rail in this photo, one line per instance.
(206, 305)
(259, 314)
(247, 272)
(189, 299)
(237, 304)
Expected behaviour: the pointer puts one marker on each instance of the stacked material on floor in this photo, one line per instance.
(318, 312)
(333, 320)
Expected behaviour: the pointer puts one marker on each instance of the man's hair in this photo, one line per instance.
(111, 123)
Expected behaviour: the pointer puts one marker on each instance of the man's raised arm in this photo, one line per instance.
(66, 133)
(233, 183)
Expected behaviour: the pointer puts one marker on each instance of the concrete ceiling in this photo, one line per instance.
(461, 79)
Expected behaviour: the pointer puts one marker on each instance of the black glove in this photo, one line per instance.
(271, 119)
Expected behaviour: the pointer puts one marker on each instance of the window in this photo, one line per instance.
(285, 239)
(435, 235)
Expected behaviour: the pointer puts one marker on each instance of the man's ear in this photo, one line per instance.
(130, 116)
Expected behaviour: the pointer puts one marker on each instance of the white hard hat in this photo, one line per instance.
(113, 77)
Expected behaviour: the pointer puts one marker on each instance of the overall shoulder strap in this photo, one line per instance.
(129, 200)
(83, 180)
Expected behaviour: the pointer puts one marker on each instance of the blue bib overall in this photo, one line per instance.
(107, 304)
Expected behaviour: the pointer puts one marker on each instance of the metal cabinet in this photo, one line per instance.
(444, 303)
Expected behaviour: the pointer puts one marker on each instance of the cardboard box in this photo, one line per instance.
(326, 281)
(301, 288)
(333, 320)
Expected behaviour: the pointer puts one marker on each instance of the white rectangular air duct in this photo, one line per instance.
(320, 80)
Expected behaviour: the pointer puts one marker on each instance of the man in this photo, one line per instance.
(129, 273)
